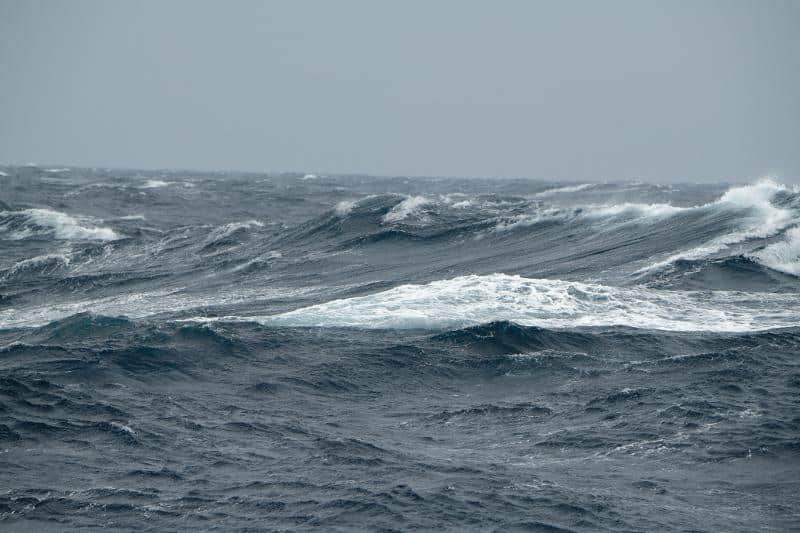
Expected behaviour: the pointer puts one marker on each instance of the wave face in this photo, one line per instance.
(311, 352)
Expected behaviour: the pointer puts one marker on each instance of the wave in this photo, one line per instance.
(762, 219)
(783, 256)
(564, 190)
(28, 223)
(155, 184)
(37, 266)
(472, 300)
(136, 305)
(224, 233)
(405, 209)
(486, 342)
(634, 209)
(258, 262)
(345, 207)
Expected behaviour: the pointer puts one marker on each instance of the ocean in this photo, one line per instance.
(184, 350)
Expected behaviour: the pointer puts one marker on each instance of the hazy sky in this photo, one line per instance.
(562, 89)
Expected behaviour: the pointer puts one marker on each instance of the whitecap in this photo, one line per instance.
(260, 260)
(564, 190)
(144, 304)
(783, 256)
(37, 222)
(344, 207)
(634, 209)
(41, 264)
(761, 220)
(405, 208)
(223, 232)
(472, 300)
(155, 184)
(119, 426)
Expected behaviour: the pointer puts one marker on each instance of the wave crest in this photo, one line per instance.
(27, 223)
(472, 300)
(405, 209)
(783, 256)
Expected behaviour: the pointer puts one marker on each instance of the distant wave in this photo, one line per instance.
(155, 184)
(608, 213)
(16, 225)
(564, 190)
(472, 300)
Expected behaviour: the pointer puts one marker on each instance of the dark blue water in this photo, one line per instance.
(190, 351)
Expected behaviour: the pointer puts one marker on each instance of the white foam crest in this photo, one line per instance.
(405, 208)
(755, 194)
(42, 264)
(635, 209)
(119, 426)
(344, 207)
(763, 220)
(155, 184)
(472, 300)
(520, 221)
(226, 230)
(3, 174)
(60, 225)
(145, 304)
(56, 170)
(260, 260)
(783, 256)
(564, 190)
(612, 213)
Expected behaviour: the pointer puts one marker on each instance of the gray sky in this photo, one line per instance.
(563, 90)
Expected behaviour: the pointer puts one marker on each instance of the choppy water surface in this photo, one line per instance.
(193, 351)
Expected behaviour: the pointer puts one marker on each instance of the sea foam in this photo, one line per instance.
(405, 209)
(15, 225)
(783, 256)
(472, 300)
(761, 219)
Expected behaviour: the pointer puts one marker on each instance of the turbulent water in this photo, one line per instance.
(194, 351)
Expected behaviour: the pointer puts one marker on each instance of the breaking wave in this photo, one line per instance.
(759, 219)
(405, 209)
(471, 300)
(35, 223)
(783, 256)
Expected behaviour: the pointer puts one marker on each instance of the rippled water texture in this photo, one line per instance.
(192, 351)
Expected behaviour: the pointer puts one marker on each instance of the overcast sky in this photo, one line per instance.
(663, 90)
